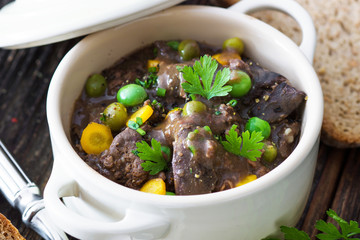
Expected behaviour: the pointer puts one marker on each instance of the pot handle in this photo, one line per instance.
(293, 9)
(135, 224)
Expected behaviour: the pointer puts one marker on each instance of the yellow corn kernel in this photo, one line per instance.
(155, 186)
(246, 180)
(225, 57)
(96, 138)
(144, 113)
(153, 63)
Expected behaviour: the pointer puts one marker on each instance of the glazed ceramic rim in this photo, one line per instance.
(310, 133)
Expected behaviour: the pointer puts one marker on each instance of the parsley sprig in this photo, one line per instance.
(153, 158)
(328, 230)
(199, 78)
(247, 145)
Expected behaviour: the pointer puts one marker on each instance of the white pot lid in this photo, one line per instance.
(29, 23)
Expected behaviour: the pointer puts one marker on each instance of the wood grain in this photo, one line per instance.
(324, 188)
(347, 197)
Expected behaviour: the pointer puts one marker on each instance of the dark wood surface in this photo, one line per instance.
(24, 78)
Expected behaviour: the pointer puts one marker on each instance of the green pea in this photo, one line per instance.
(270, 152)
(234, 43)
(189, 49)
(240, 82)
(115, 116)
(95, 85)
(258, 125)
(193, 107)
(131, 95)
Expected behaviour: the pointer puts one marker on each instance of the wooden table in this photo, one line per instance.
(24, 78)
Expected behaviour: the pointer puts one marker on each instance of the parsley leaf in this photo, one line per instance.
(293, 233)
(348, 229)
(152, 156)
(247, 145)
(205, 70)
(329, 230)
(233, 143)
(251, 145)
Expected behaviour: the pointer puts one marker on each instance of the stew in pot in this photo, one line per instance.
(184, 118)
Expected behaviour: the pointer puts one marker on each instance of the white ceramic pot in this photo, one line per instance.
(94, 207)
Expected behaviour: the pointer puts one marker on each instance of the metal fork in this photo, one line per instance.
(25, 196)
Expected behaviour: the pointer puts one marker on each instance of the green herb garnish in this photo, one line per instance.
(149, 80)
(192, 149)
(139, 121)
(155, 103)
(248, 145)
(218, 137)
(133, 125)
(170, 193)
(155, 51)
(153, 158)
(136, 126)
(135, 152)
(173, 44)
(140, 131)
(192, 97)
(160, 92)
(232, 103)
(208, 129)
(293, 233)
(167, 151)
(102, 117)
(152, 70)
(205, 70)
(328, 230)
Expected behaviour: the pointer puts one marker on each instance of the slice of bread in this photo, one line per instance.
(336, 61)
(8, 231)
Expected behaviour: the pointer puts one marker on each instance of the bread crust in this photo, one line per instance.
(8, 231)
(336, 62)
